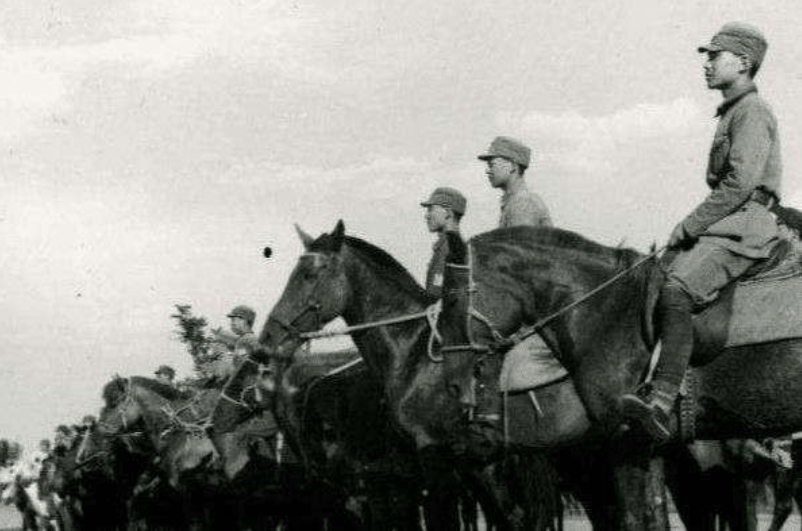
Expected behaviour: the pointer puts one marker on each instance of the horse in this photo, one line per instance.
(173, 422)
(334, 422)
(343, 276)
(508, 278)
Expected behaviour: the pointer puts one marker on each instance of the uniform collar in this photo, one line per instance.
(509, 193)
(735, 98)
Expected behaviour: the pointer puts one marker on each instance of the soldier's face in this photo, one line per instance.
(239, 325)
(436, 218)
(723, 68)
(499, 172)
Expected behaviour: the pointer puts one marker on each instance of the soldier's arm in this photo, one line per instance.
(751, 136)
(226, 338)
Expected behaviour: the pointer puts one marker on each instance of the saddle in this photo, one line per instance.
(764, 305)
(760, 307)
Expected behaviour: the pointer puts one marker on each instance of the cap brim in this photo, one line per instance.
(709, 48)
(486, 156)
(426, 203)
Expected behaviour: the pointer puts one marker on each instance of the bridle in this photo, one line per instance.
(311, 304)
(472, 314)
(431, 314)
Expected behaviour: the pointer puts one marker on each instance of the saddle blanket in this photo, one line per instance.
(766, 310)
(529, 364)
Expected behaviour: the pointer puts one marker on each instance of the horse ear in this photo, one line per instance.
(305, 238)
(338, 235)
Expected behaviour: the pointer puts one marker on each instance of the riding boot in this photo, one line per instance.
(653, 411)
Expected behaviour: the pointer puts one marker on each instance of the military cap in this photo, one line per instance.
(447, 197)
(246, 312)
(740, 39)
(509, 148)
(166, 370)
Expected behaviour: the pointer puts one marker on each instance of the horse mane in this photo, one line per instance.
(560, 239)
(392, 270)
(115, 390)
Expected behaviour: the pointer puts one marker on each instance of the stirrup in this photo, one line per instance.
(651, 418)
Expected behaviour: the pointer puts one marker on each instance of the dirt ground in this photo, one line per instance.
(9, 521)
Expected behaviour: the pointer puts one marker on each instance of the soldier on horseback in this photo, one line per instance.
(730, 230)
(444, 210)
(507, 160)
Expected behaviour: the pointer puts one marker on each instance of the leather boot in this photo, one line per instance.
(652, 412)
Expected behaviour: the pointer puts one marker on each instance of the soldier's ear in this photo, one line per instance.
(306, 239)
(746, 64)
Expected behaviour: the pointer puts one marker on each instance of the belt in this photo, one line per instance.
(764, 197)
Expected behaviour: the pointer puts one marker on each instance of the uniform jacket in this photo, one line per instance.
(437, 265)
(246, 343)
(745, 156)
(523, 207)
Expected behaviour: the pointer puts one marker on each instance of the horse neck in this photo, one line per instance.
(617, 309)
(150, 403)
(375, 297)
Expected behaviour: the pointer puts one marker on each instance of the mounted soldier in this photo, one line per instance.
(166, 375)
(730, 230)
(530, 363)
(444, 211)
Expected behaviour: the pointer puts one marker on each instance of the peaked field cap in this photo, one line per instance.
(447, 197)
(246, 312)
(510, 149)
(739, 38)
(165, 369)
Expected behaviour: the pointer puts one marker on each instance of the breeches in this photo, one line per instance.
(705, 269)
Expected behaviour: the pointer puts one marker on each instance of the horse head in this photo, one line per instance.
(121, 411)
(314, 295)
(465, 346)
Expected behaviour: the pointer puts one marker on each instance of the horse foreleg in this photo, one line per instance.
(784, 481)
(640, 489)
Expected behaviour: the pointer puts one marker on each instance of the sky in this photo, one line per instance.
(149, 150)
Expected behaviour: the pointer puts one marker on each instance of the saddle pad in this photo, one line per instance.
(529, 364)
(768, 310)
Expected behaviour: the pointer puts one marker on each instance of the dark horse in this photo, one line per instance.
(519, 276)
(341, 276)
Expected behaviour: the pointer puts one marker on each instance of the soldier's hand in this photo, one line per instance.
(678, 238)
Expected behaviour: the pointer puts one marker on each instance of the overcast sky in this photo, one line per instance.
(150, 148)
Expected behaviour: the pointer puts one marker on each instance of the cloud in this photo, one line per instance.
(577, 143)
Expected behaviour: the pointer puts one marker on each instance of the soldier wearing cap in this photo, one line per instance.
(730, 229)
(242, 318)
(444, 210)
(165, 374)
(507, 160)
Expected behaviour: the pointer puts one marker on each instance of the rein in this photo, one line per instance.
(502, 343)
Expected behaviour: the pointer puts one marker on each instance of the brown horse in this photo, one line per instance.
(521, 275)
(341, 276)
(511, 278)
